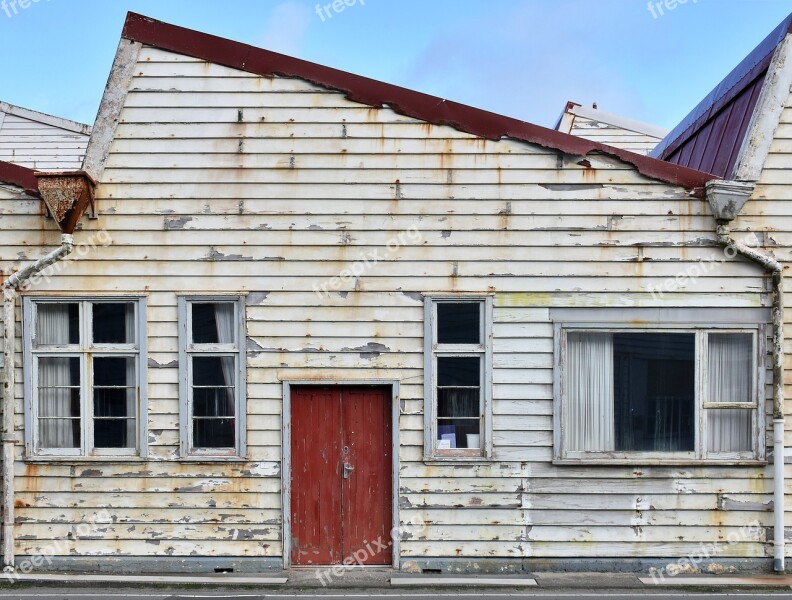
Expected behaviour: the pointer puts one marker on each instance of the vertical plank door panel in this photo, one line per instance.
(367, 492)
(316, 476)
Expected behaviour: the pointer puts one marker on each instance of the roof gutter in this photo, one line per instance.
(10, 291)
(726, 198)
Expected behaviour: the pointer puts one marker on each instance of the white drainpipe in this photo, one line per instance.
(10, 287)
(726, 199)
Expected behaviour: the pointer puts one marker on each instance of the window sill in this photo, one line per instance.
(444, 460)
(212, 459)
(659, 462)
(84, 459)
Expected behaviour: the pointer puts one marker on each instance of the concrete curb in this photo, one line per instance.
(146, 579)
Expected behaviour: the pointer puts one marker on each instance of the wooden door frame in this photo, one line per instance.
(286, 454)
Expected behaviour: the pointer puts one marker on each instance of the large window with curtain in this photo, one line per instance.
(458, 377)
(213, 376)
(85, 390)
(663, 394)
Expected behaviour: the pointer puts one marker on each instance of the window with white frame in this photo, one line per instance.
(212, 384)
(457, 381)
(86, 388)
(660, 393)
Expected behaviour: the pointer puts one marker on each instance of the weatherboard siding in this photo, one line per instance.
(605, 133)
(221, 181)
(769, 214)
(40, 146)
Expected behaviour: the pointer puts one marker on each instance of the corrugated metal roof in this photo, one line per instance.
(363, 90)
(710, 137)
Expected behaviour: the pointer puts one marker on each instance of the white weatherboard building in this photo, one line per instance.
(513, 386)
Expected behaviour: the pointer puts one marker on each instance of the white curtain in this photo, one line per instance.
(590, 392)
(54, 378)
(131, 379)
(730, 380)
(224, 317)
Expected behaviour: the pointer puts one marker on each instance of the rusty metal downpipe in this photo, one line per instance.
(10, 291)
(726, 198)
(67, 196)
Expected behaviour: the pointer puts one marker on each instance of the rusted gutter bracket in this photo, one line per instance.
(10, 288)
(724, 196)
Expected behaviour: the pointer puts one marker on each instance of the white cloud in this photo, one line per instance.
(286, 28)
(539, 61)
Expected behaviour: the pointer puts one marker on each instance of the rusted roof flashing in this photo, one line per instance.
(21, 177)
(751, 68)
(363, 90)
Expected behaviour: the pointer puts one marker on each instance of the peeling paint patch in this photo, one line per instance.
(254, 348)
(257, 297)
(215, 255)
(172, 223)
(417, 296)
(569, 187)
(156, 365)
(445, 234)
(369, 351)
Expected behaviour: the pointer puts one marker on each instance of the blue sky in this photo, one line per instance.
(522, 58)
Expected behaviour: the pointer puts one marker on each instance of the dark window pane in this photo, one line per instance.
(213, 323)
(453, 402)
(114, 433)
(114, 371)
(458, 371)
(459, 322)
(214, 433)
(213, 402)
(458, 433)
(654, 391)
(114, 402)
(113, 323)
(57, 324)
(213, 371)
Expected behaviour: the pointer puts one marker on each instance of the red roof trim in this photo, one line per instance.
(414, 104)
(19, 176)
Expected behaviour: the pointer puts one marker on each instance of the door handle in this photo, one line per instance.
(348, 470)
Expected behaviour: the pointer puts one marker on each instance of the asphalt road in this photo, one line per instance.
(395, 595)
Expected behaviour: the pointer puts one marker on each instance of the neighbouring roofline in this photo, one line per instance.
(21, 177)
(236, 55)
(753, 66)
(40, 117)
(619, 121)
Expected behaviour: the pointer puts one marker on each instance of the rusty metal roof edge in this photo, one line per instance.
(76, 173)
(364, 90)
(739, 78)
(19, 176)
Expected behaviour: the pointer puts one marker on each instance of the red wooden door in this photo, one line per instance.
(341, 475)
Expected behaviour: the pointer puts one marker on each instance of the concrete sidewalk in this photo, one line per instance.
(384, 579)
